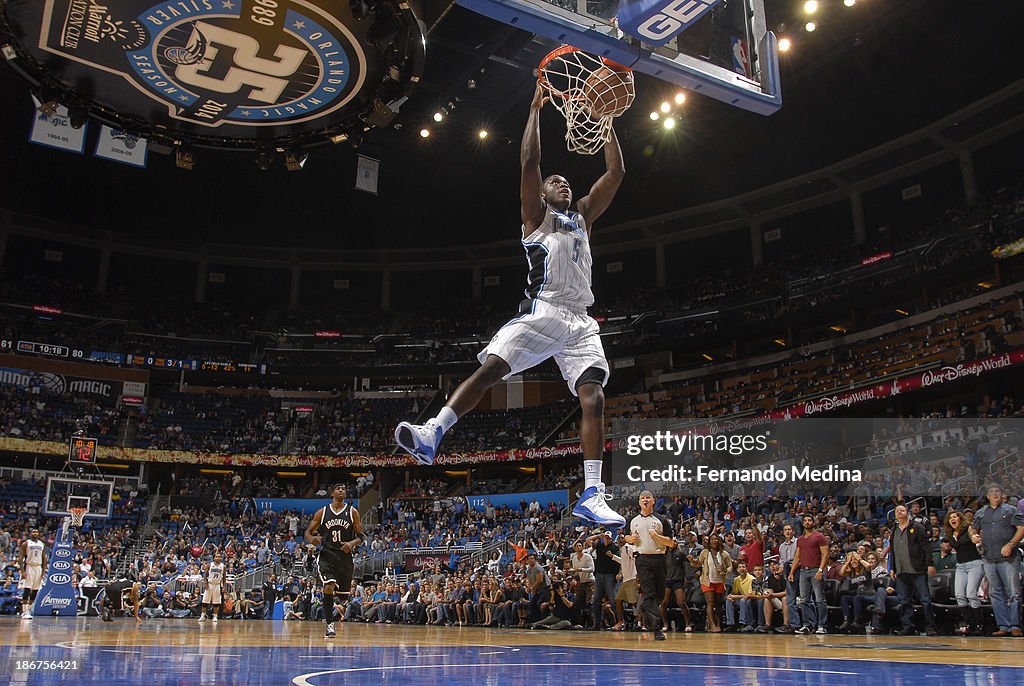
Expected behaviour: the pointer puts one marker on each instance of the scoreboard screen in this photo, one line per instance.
(83, 450)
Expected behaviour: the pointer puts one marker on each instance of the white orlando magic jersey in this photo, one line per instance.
(558, 253)
(215, 576)
(34, 552)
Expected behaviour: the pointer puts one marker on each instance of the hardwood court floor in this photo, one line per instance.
(165, 652)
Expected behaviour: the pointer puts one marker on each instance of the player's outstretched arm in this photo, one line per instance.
(532, 207)
(604, 189)
(314, 526)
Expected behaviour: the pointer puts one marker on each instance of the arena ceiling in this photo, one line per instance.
(868, 74)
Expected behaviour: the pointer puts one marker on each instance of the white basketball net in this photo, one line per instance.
(567, 77)
(77, 516)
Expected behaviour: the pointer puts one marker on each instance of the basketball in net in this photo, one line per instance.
(589, 92)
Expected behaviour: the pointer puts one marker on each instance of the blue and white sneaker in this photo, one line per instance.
(420, 440)
(593, 506)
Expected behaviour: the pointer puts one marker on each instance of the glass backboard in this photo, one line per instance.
(726, 52)
(64, 493)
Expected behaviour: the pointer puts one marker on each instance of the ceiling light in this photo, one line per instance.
(785, 44)
(680, 98)
(666, 108)
(655, 116)
(295, 159)
(438, 117)
(670, 123)
(810, 26)
(184, 158)
(849, 3)
(482, 134)
(811, 6)
(338, 138)
(424, 133)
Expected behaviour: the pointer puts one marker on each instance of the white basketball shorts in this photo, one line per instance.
(545, 331)
(33, 579)
(212, 595)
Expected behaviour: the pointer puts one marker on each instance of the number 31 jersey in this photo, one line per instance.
(336, 528)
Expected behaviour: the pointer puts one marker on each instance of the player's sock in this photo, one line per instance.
(329, 607)
(446, 418)
(591, 473)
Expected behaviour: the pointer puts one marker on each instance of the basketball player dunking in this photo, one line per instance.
(30, 563)
(340, 533)
(553, 319)
(213, 591)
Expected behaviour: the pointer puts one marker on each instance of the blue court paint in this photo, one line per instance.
(318, 663)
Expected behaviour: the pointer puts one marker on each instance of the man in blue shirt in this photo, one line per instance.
(999, 528)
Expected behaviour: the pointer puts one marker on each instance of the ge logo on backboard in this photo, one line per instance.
(246, 62)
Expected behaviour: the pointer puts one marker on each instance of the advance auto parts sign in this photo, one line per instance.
(211, 62)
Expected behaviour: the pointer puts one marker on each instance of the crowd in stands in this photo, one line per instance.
(208, 422)
(454, 329)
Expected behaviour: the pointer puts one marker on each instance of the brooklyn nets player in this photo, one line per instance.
(340, 531)
(553, 319)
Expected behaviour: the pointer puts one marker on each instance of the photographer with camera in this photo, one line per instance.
(560, 608)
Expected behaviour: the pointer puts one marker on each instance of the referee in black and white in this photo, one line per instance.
(650, 533)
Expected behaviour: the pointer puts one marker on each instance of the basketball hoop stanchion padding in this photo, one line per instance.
(590, 92)
(57, 596)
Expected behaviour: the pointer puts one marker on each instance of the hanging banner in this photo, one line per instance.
(366, 174)
(56, 131)
(116, 145)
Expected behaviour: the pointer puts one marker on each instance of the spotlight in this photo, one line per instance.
(184, 158)
(655, 116)
(785, 44)
(48, 101)
(438, 117)
(669, 123)
(680, 98)
(295, 159)
(264, 159)
(849, 3)
(471, 84)
(810, 26)
(424, 133)
(482, 134)
(338, 138)
(666, 108)
(811, 6)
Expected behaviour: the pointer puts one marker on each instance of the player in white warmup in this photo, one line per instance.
(30, 563)
(553, 319)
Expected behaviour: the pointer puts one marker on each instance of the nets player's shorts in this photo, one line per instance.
(112, 594)
(544, 330)
(336, 568)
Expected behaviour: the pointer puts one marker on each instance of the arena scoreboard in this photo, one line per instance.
(83, 450)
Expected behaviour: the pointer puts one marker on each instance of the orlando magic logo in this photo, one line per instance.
(253, 63)
(192, 52)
